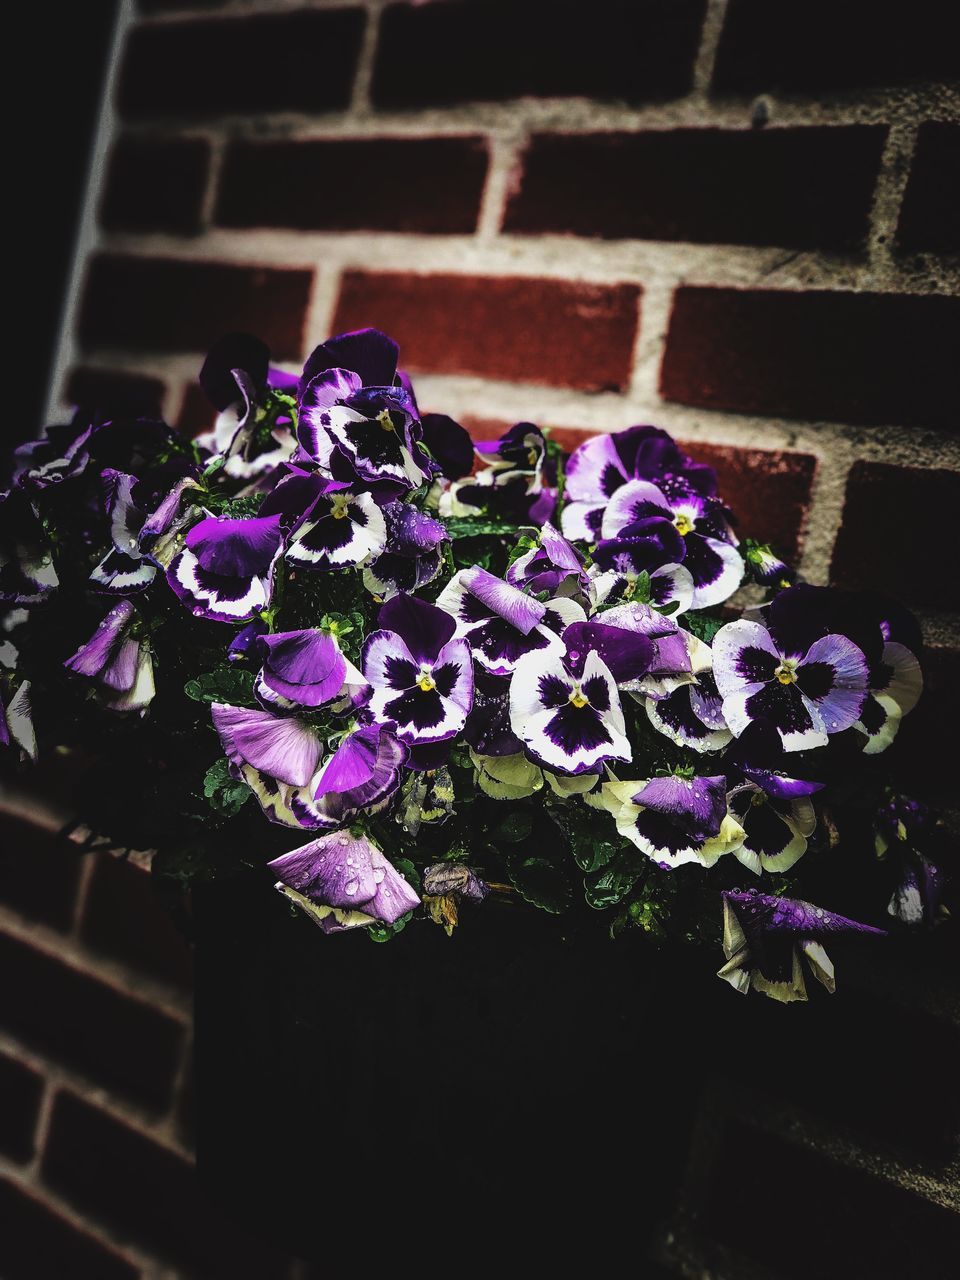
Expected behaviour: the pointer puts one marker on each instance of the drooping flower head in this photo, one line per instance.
(302, 669)
(675, 820)
(692, 714)
(224, 572)
(124, 569)
(421, 676)
(61, 453)
(551, 567)
(27, 573)
(445, 886)
(601, 465)
(119, 663)
(412, 553)
(347, 882)
(767, 939)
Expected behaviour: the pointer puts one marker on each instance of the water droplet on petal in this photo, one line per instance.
(351, 887)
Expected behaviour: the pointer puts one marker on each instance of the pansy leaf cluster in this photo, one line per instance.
(406, 675)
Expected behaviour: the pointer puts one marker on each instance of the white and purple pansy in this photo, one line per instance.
(420, 674)
(365, 770)
(234, 376)
(552, 567)
(412, 555)
(603, 464)
(767, 939)
(117, 661)
(124, 569)
(896, 679)
(502, 623)
(224, 571)
(669, 663)
(707, 544)
(776, 829)
(372, 427)
(675, 819)
(342, 529)
(61, 453)
(344, 881)
(807, 695)
(368, 353)
(302, 669)
(670, 584)
(566, 711)
(27, 573)
(692, 715)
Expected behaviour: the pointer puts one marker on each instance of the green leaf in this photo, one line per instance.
(515, 827)
(225, 794)
(607, 887)
(227, 684)
(478, 527)
(703, 625)
(384, 932)
(542, 884)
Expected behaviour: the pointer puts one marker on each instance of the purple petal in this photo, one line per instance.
(696, 805)
(627, 654)
(423, 627)
(94, 656)
(833, 675)
(304, 667)
(236, 548)
(368, 353)
(284, 748)
(449, 444)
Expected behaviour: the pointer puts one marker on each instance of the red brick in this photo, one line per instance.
(300, 61)
(897, 524)
(514, 328)
(21, 1089)
(853, 1224)
(811, 45)
(928, 216)
(166, 304)
(119, 1175)
(120, 1042)
(867, 359)
(492, 50)
(803, 188)
(38, 874)
(124, 917)
(197, 414)
(116, 393)
(39, 1244)
(155, 184)
(429, 185)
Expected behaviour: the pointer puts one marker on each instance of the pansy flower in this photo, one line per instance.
(487, 730)
(224, 571)
(502, 623)
(117, 661)
(566, 710)
(603, 464)
(692, 715)
(27, 572)
(362, 773)
(668, 664)
(775, 828)
(807, 694)
(412, 555)
(124, 569)
(421, 676)
(347, 882)
(707, 546)
(512, 486)
(675, 820)
(342, 529)
(550, 567)
(768, 942)
(16, 722)
(61, 453)
(302, 669)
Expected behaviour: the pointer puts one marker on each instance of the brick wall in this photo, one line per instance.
(732, 218)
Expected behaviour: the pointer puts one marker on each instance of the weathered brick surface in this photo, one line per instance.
(803, 188)
(298, 61)
(382, 184)
(896, 520)
(196, 414)
(155, 184)
(122, 1043)
(39, 1244)
(475, 50)
(517, 329)
(115, 393)
(928, 216)
(818, 45)
(171, 305)
(20, 1090)
(118, 1175)
(870, 359)
(38, 876)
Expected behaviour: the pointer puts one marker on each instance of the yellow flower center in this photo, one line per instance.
(426, 682)
(579, 698)
(340, 503)
(786, 673)
(532, 457)
(383, 417)
(684, 524)
(630, 588)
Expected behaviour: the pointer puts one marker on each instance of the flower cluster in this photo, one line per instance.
(447, 672)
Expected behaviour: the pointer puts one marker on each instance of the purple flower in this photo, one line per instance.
(117, 661)
(807, 695)
(342, 529)
(669, 663)
(412, 556)
(552, 567)
(758, 757)
(776, 829)
(302, 668)
(487, 730)
(639, 551)
(60, 454)
(368, 353)
(566, 711)
(600, 466)
(513, 485)
(675, 820)
(235, 376)
(451, 448)
(285, 748)
(360, 775)
(422, 677)
(766, 939)
(706, 547)
(765, 566)
(27, 573)
(692, 715)
(124, 569)
(501, 623)
(347, 881)
(16, 722)
(225, 570)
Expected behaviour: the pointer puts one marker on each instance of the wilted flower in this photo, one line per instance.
(27, 573)
(412, 554)
(550, 567)
(766, 939)
(118, 662)
(675, 820)
(347, 880)
(224, 571)
(445, 886)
